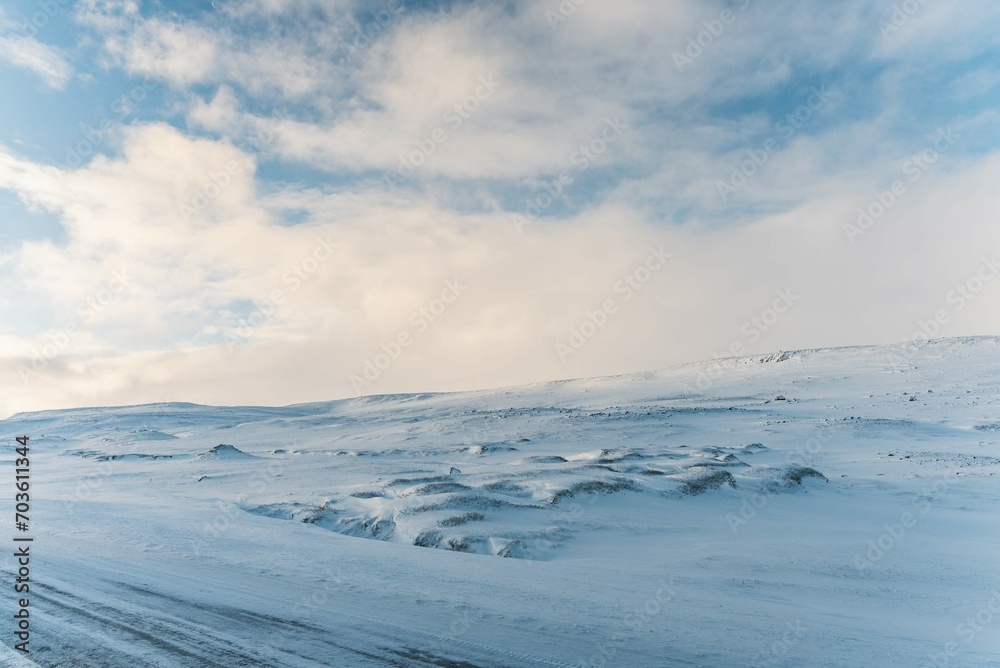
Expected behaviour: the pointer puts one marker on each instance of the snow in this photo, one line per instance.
(680, 517)
(14, 659)
(224, 452)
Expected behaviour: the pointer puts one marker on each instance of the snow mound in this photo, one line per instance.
(224, 452)
(151, 435)
(524, 507)
(703, 480)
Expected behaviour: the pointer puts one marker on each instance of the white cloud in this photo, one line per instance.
(525, 291)
(30, 54)
(201, 270)
(294, 64)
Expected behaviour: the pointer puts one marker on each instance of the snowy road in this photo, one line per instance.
(112, 623)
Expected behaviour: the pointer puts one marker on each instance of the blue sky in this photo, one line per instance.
(287, 183)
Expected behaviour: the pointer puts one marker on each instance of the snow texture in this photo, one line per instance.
(831, 507)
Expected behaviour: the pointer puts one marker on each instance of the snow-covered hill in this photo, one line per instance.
(830, 507)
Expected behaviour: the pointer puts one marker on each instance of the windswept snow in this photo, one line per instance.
(832, 507)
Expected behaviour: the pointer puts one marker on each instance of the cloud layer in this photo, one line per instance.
(344, 199)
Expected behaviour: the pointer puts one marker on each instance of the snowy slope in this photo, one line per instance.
(832, 507)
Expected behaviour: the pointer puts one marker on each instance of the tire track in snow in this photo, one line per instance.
(166, 631)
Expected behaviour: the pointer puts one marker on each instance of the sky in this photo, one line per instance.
(281, 201)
